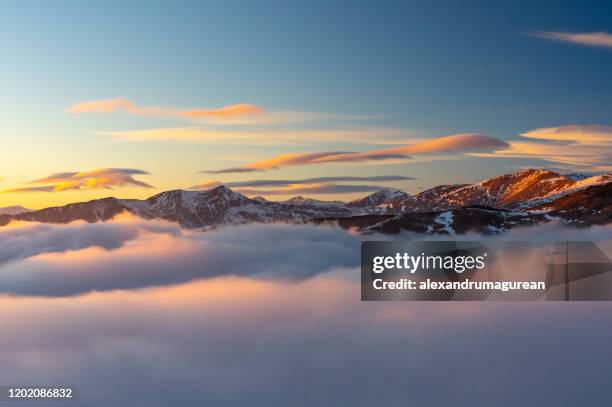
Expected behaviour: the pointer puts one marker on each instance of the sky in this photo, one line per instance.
(127, 99)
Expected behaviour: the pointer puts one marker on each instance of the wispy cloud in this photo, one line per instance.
(125, 105)
(594, 39)
(104, 178)
(235, 114)
(448, 144)
(584, 147)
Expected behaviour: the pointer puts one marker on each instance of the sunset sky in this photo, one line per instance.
(290, 98)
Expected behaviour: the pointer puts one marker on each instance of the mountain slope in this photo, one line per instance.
(92, 211)
(191, 209)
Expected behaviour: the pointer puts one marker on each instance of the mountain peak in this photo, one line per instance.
(381, 197)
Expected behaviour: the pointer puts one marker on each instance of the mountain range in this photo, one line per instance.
(491, 206)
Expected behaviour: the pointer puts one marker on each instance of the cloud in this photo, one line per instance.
(21, 240)
(241, 109)
(454, 143)
(276, 340)
(127, 106)
(585, 134)
(594, 39)
(581, 147)
(223, 341)
(130, 253)
(103, 178)
(235, 114)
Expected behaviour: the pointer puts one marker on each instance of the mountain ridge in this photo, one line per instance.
(526, 193)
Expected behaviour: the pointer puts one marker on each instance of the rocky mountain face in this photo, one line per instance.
(491, 206)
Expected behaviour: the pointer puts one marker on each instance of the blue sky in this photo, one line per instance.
(429, 68)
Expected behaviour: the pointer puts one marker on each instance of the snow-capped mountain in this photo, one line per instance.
(521, 189)
(490, 206)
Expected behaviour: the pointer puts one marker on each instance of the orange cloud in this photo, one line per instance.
(595, 39)
(453, 143)
(586, 134)
(104, 178)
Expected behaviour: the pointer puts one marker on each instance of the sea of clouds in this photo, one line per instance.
(142, 313)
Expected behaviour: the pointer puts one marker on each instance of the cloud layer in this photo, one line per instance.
(274, 339)
(449, 144)
(103, 178)
(131, 253)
